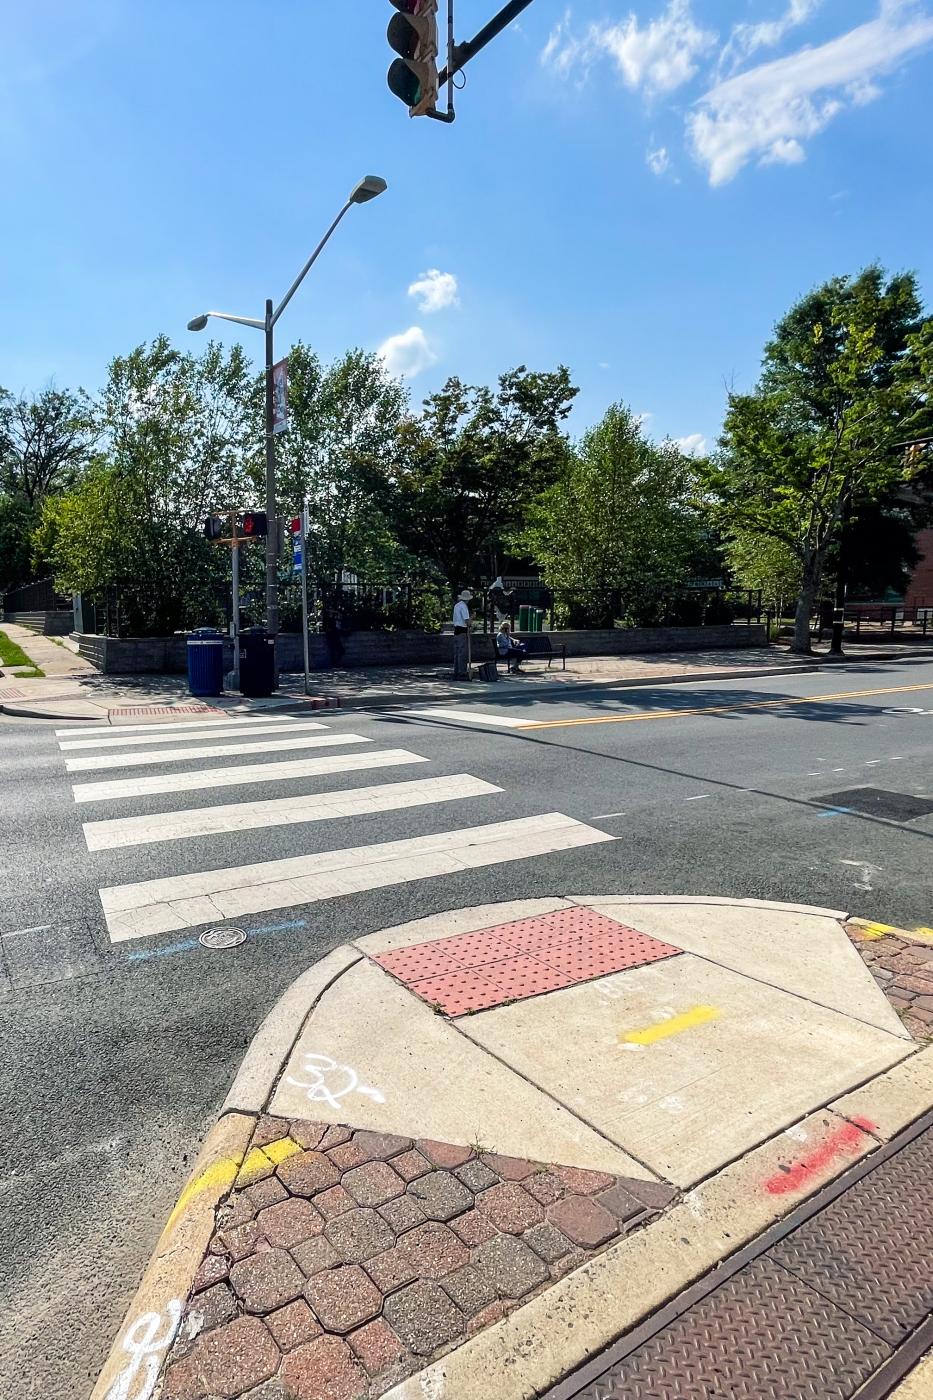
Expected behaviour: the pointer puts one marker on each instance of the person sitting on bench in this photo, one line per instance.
(509, 650)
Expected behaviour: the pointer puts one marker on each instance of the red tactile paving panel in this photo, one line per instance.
(597, 957)
(476, 971)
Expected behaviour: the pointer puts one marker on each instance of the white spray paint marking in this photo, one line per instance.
(328, 1082)
(866, 871)
(797, 1134)
(146, 1342)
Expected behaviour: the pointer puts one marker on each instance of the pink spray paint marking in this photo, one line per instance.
(841, 1143)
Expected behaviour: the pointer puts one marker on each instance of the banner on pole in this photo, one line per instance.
(280, 396)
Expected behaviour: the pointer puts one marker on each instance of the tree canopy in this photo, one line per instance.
(845, 377)
(472, 461)
(619, 529)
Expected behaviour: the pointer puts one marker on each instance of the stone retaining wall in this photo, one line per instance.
(133, 655)
(46, 624)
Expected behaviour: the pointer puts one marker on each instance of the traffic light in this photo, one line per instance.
(214, 527)
(412, 33)
(253, 524)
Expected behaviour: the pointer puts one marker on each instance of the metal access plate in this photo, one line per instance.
(764, 1335)
(878, 802)
(871, 1251)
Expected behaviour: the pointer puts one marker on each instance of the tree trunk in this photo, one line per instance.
(809, 588)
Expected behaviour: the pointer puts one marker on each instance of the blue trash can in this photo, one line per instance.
(205, 662)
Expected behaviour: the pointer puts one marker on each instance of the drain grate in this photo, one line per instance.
(878, 802)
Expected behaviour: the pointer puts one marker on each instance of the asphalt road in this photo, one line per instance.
(117, 1055)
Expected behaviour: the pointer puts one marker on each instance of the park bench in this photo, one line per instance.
(538, 645)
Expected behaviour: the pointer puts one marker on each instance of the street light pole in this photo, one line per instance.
(368, 188)
(272, 563)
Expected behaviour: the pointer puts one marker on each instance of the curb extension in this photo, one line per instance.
(153, 1317)
(548, 1333)
(135, 1360)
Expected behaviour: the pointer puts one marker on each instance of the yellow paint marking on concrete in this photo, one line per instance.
(724, 709)
(923, 932)
(696, 1016)
(222, 1174)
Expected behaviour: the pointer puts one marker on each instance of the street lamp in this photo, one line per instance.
(367, 189)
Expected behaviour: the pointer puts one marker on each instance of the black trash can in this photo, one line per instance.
(257, 661)
(205, 653)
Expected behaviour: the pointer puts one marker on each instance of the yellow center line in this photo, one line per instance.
(725, 709)
(696, 1016)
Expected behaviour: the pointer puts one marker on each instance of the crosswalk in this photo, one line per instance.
(238, 751)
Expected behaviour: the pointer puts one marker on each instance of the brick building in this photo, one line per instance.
(920, 588)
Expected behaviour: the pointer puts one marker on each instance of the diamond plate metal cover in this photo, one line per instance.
(871, 1251)
(763, 1335)
(476, 971)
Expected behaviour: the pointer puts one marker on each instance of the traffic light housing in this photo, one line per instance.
(412, 33)
(214, 527)
(253, 524)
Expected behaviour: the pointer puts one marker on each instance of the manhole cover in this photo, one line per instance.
(223, 937)
(877, 802)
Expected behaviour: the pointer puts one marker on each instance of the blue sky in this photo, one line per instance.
(637, 188)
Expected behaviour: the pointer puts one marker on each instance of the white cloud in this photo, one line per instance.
(656, 57)
(658, 161)
(407, 353)
(435, 290)
(693, 445)
(769, 111)
(746, 38)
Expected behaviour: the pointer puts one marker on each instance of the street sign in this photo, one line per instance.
(280, 396)
(297, 556)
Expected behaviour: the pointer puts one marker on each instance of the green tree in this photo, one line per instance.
(763, 562)
(45, 440)
(337, 453)
(843, 379)
(619, 529)
(174, 441)
(472, 461)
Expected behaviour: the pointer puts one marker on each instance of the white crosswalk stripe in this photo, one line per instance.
(174, 726)
(469, 717)
(185, 901)
(182, 899)
(88, 763)
(246, 816)
(207, 779)
(222, 731)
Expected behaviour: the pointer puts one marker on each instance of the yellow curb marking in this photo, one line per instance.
(723, 709)
(696, 1016)
(222, 1174)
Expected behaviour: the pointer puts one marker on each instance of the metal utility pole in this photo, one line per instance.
(368, 188)
(305, 523)
(235, 590)
(464, 52)
(272, 564)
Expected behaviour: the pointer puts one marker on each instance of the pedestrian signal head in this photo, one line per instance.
(253, 524)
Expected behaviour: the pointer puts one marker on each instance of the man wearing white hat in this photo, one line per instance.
(462, 636)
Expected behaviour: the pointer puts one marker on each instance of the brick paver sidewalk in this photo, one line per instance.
(344, 1261)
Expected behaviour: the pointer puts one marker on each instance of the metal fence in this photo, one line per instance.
(35, 597)
(612, 608)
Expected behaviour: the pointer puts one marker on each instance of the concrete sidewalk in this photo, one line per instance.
(54, 657)
(463, 1155)
(113, 699)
